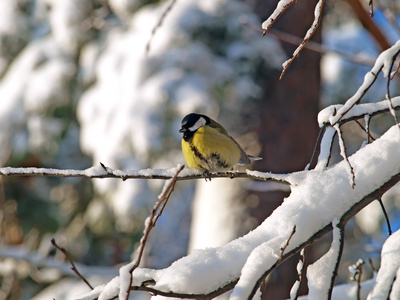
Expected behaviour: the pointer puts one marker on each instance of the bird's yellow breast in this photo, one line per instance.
(210, 150)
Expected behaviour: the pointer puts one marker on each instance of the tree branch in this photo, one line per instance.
(73, 267)
(149, 225)
(102, 171)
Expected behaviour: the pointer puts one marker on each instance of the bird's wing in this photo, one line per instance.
(244, 159)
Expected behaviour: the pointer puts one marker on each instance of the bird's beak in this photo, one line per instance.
(182, 130)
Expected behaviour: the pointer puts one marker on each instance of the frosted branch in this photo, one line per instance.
(343, 153)
(102, 171)
(383, 63)
(307, 37)
(281, 7)
(126, 271)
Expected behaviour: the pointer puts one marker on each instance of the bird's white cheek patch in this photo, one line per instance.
(200, 122)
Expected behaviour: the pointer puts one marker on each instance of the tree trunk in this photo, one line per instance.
(288, 121)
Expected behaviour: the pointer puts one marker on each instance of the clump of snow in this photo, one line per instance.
(387, 280)
(319, 274)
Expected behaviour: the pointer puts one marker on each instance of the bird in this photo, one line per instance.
(208, 147)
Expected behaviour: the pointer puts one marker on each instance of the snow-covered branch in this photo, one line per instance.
(280, 9)
(102, 171)
(244, 261)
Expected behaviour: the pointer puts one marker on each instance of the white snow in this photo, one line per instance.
(390, 265)
(319, 274)
(205, 270)
(280, 8)
(382, 63)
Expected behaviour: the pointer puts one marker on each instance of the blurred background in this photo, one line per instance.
(90, 81)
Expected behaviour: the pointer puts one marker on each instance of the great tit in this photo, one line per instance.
(208, 147)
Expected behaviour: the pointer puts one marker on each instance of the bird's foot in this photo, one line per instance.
(206, 175)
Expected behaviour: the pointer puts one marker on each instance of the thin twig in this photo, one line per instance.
(279, 10)
(159, 24)
(367, 131)
(392, 111)
(309, 34)
(343, 153)
(338, 259)
(287, 242)
(361, 59)
(151, 222)
(263, 284)
(73, 267)
(386, 216)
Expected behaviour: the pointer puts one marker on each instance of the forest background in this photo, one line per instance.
(84, 82)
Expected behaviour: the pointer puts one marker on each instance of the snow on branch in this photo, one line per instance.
(384, 63)
(103, 171)
(388, 279)
(242, 263)
(280, 9)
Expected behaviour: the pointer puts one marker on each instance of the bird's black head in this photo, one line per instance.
(191, 123)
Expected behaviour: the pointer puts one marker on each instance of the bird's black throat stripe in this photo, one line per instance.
(215, 158)
(197, 152)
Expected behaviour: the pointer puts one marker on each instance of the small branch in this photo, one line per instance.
(356, 270)
(372, 28)
(344, 155)
(302, 272)
(389, 78)
(159, 24)
(317, 148)
(369, 80)
(281, 7)
(287, 242)
(371, 8)
(73, 267)
(263, 284)
(338, 259)
(307, 37)
(149, 225)
(386, 216)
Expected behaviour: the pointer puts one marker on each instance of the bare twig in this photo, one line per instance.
(73, 267)
(386, 216)
(159, 24)
(338, 259)
(344, 155)
(150, 223)
(287, 242)
(361, 59)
